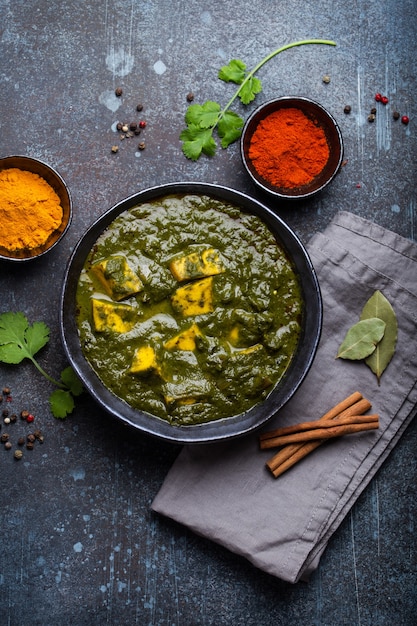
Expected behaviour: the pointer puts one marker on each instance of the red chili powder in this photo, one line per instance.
(288, 149)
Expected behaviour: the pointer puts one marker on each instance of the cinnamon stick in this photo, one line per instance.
(308, 431)
(353, 405)
(337, 410)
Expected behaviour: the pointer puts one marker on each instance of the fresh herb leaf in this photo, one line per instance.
(70, 379)
(197, 141)
(203, 115)
(248, 91)
(61, 403)
(229, 128)
(202, 120)
(234, 72)
(379, 306)
(361, 339)
(19, 340)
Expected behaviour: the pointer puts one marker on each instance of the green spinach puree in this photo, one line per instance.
(188, 309)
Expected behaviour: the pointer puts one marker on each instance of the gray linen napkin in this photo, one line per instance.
(282, 526)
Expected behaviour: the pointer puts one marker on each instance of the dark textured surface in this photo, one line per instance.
(79, 544)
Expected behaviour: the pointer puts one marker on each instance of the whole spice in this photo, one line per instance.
(405, 119)
(290, 454)
(288, 149)
(142, 124)
(30, 210)
(384, 100)
(18, 455)
(139, 107)
(118, 91)
(347, 109)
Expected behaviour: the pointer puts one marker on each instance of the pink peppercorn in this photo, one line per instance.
(378, 97)
(30, 418)
(384, 100)
(142, 124)
(405, 119)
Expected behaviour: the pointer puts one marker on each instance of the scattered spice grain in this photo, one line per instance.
(405, 119)
(18, 455)
(118, 91)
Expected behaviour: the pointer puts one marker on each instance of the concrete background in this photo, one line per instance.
(79, 544)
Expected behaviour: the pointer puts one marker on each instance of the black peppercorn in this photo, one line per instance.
(7, 445)
(29, 445)
(139, 107)
(24, 415)
(21, 441)
(190, 96)
(347, 108)
(5, 437)
(118, 91)
(396, 115)
(373, 111)
(141, 146)
(133, 126)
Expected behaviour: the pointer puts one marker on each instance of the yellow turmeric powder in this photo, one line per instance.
(30, 210)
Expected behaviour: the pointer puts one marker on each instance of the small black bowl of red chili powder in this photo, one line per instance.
(292, 147)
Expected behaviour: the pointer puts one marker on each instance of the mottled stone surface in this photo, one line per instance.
(79, 544)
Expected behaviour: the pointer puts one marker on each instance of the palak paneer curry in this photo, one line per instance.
(189, 309)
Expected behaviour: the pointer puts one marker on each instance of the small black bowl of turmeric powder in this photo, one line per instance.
(291, 147)
(35, 208)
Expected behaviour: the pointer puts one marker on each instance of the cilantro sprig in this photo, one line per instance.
(202, 119)
(19, 340)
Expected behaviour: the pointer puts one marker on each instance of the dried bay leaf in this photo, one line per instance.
(361, 339)
(378, 306)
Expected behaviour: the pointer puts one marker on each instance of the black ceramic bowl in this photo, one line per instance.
(219, 429)
(58, 184)
(320, 117)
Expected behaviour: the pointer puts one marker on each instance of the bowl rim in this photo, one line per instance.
(56, 181)
(277, 192)
(225, 428)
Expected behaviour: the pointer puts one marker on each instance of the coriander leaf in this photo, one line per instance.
(361, 339)
(19, 340)
(71, 381)
(248, 91)
(61, 403)
(37, 336)
(197, 140)
(234, 72)
(203, 115)
(229, 128)
(379, 306)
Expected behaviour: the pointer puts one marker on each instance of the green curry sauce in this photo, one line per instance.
(188, 309)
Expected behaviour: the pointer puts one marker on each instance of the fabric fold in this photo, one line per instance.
(223, 491)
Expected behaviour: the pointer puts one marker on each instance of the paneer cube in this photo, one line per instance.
(117, 277)
(187, 391)
(144, 361)
(184, 340)
(194, 298)
(111, 316)
(197, 264)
